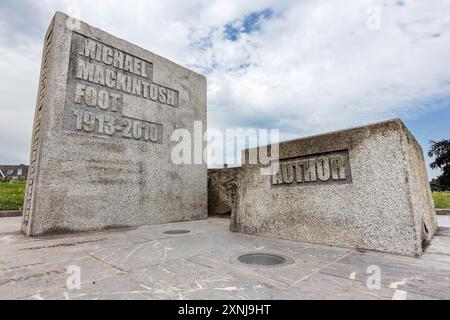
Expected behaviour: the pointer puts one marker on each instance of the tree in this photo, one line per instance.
(440, 150)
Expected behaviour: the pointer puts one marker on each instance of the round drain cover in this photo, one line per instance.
(176, 231)
(263, 259)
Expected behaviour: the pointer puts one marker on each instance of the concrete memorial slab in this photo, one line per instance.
(101, 144)
(364, 188)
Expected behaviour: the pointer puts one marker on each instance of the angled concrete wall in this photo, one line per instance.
(364, 188)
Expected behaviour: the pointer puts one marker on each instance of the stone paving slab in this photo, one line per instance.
(146, 263)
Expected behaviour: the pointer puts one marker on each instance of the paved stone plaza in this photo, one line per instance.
(145, 263)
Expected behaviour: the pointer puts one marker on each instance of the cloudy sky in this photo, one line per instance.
(305, 67)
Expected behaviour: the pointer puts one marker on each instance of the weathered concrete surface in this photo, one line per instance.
(145, 263)
(101, 147)
(365, 188)
(221, 190)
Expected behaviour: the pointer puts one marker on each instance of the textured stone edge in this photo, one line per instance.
(417, 181)
(42, 101)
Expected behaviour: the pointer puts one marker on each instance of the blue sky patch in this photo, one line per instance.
(231, 33)
(250, 23)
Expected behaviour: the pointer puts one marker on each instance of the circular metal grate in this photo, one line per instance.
(263, 259)
(176, 231)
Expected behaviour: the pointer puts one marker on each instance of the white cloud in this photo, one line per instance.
(317, 67)
(313, 66)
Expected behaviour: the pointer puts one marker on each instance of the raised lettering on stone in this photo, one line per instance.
(99, 77)
(333, 167)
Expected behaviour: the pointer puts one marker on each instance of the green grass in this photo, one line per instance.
(11, 195)
(442, 200)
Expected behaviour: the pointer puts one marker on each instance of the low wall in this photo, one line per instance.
(443, 212)
(364, 188)
(10, 213)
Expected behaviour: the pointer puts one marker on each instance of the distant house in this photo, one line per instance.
(13, 171)
(435, 187)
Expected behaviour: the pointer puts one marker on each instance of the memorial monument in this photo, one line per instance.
(101, 147)
(363, 188)
(101, 158)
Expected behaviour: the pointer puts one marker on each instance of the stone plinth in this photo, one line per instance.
(364, 188)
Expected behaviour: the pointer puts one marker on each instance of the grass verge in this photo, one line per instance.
(11, 194)
(441, 200)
